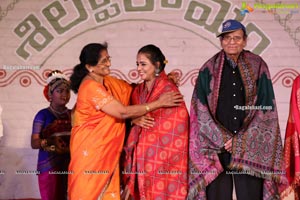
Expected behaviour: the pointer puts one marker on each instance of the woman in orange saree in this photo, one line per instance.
(98, 125)
(156, 157)
(292, 141)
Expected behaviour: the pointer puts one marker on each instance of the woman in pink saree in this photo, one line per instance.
(292, 141)
(156, 152)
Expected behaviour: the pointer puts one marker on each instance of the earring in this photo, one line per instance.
(157, 72)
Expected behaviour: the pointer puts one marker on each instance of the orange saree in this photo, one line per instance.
(96, 141)
(292, 141)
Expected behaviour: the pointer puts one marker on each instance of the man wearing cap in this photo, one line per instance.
(234, 136)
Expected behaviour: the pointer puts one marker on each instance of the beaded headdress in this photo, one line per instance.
(55, 78)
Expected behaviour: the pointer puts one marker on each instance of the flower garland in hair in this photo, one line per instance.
(55, 78)
(56, 75)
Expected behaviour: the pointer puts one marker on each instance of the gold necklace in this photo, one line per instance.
(58, 112)
(94, 78)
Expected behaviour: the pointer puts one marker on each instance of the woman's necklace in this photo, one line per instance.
(94, 78)
(58, 112)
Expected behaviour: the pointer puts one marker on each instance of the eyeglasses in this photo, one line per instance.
(104, 60)
(228, 38)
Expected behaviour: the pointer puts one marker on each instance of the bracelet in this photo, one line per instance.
(52, 148)
(147, 108)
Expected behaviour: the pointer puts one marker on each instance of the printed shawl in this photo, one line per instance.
(257, 148)
(157, 158)
(96, 141)
(292, 141)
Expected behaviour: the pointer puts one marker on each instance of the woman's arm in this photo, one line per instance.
(144, 121)
(37, 127)
(118, 110)
(36, 141)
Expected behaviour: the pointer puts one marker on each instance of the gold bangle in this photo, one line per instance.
(52, 148)
(147, 108)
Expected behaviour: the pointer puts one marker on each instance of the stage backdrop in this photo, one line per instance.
(39, 36)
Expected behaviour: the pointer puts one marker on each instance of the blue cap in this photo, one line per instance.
(232, 25)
